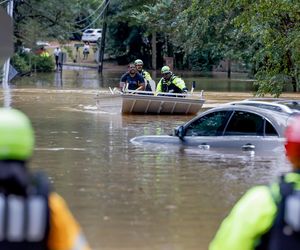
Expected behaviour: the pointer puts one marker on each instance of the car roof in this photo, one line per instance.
(278, 119)
(275, 104)
(88, 30)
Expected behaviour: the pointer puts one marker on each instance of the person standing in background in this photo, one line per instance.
(56, 53)
(86, 51)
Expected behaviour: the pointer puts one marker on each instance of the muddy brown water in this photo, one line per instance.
(127, 196)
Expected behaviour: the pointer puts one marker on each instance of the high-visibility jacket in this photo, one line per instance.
(252, 217)
(174, 84)
(146, 75)
(44, 54)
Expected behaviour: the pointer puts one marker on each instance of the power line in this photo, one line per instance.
(96, 19)
(91, 13)
(4, 1)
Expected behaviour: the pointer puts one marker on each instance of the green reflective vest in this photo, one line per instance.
(251, 217)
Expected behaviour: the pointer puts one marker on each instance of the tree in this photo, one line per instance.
(275, 28)
(56, 19)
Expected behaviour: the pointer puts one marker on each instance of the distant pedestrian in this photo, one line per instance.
(56, 53)
(86, 51)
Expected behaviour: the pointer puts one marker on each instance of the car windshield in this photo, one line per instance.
(88, 31)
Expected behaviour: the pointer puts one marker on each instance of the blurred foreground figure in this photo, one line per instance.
(31, 216)
(267, 217)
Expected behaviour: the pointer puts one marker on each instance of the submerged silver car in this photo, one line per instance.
(236, 127)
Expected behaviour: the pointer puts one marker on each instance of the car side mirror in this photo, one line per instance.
(180, 132)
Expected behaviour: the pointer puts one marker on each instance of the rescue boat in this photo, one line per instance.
(146, 102)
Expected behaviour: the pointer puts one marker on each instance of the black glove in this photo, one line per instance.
(185, 91)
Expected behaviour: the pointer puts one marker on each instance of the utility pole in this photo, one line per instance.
(10, 8)
(102, 45)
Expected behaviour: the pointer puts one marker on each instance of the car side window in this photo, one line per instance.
(209, 125)
(245, 123)
(270, 130)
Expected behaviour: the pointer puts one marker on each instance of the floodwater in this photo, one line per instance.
(127, 196)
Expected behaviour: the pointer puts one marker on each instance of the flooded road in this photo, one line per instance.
(127, 196)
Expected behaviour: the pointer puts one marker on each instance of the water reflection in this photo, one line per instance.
(127, 196)
(88, 78)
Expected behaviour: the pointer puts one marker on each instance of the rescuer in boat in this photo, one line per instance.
(267, 217)
(132, 80)
(170, 83)
(148, 80)
(31, 215)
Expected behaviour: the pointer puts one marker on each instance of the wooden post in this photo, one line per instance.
(102, 45)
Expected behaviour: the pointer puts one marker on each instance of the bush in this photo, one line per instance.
(27, 62)
(20, 63)
(42, 64)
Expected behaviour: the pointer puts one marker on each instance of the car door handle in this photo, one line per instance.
(248, 147)
(204, 146)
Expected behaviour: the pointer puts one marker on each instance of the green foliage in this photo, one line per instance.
(20, 63)
(263, 34)
(275, 28)
(42, 64)
(27, 62)
(56, 19)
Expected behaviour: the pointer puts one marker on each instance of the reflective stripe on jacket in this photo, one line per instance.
(24, 217)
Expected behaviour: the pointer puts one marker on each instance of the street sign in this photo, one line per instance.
(6, 37)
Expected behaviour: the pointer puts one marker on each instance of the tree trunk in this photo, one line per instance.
(229, 68)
